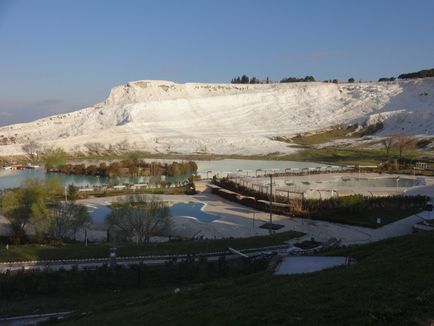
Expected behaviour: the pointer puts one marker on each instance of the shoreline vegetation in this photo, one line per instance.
(129, 168)
(321, 146)
(353, 210)
(373, 151)
(329, 155)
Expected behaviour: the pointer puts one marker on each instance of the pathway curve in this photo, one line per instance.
(240, 221)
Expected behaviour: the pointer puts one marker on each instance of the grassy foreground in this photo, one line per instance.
(391, 284)
(71, 251)
(368, 218)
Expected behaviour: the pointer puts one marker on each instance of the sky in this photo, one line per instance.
(62, 55)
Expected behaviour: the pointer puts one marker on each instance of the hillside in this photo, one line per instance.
(391, 284)
(165, 117)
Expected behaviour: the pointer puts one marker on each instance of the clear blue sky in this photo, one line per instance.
(61, 55)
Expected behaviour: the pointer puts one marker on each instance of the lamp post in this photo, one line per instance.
(414, 172)
(239, 175)
(113, 263)
(397, 181)
(271, 204)
(286, 177)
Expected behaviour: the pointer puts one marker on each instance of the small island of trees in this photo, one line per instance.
(128, 168)
(55, 161)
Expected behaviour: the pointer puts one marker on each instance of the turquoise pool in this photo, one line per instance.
(99, 213)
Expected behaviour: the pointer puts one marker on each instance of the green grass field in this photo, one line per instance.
(340, 155)
(368, 218)
(329, 155)
(71, 251)
(325, 136)
(391, 284)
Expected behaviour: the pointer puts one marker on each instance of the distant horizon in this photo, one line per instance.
(59, 56)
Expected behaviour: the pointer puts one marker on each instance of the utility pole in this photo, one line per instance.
(271, 207)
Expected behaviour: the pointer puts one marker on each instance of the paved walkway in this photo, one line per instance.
(307, 264)
(240, 221)
(29, 320)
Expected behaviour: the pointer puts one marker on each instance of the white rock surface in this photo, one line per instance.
(162, 116)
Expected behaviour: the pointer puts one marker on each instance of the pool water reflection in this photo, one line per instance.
(193, 210)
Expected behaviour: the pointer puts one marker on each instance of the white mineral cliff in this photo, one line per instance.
(165, 117)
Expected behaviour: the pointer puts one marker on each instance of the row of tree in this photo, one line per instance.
(36, 150)
(36, 208)
(386, 79)
(36, 213)
(50, 156)
(54, 160)
(244, 79)
(399, 141)
(359, 203)
(297, 80)
(419, 74)
(343, 206)
(128, 168)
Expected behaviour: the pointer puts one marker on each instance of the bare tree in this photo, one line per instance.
(123, 145)
(95, 147)
(66, 219)
(402, 142)
(387, 142)
(33, 149)
(139, 218)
